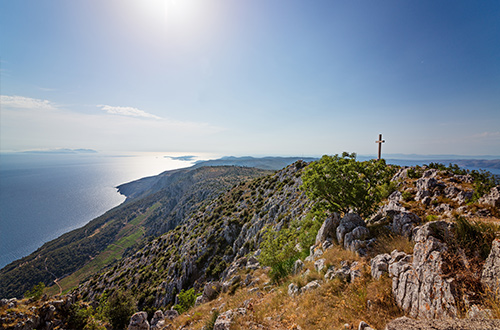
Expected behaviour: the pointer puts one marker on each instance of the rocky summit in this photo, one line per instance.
(265, 255)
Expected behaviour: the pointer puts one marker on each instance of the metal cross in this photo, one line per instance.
(380, 141)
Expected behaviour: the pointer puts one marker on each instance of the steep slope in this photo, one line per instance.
(107, 238)
(203, 246)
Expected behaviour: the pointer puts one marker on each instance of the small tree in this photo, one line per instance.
(342, 184)
(119, 308)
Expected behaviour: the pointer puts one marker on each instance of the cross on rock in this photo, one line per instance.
(380, 141)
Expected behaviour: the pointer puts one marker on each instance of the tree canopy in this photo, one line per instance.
(342, 184)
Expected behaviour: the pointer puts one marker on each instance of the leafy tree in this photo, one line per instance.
(119, 308)
(342, 184)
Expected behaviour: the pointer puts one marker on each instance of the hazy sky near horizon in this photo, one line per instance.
(251, 77)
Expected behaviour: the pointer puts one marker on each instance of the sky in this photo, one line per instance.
(251, 77)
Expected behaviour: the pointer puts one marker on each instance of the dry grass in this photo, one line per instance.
(331, 306)
(390, 242)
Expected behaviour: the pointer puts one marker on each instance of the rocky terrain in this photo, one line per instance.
(429, 258)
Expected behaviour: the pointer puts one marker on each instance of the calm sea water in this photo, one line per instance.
(43, 196)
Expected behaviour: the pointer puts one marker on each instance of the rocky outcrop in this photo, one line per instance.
(407, 323)
(398, 219)
(493, 198)
(139, 321)
(490, 276)
(171, 314)
(224, 320)
(328, 228)
(294, 289)
(364, 326)
(419, 286)
(210, 291)
(51, 314)
(347, 272)
(380, 265)
(353, 235)
(158, 321)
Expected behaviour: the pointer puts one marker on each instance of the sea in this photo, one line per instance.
(44, 195)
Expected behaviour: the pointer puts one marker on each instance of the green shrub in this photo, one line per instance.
(483, 182)
(186, 300)
(36, 292)
(414, 173)
(279, 248)
(119, 308)
(431, 217)
(407, 196)
(387, 189)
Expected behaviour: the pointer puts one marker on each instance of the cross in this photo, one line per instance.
(380, 141)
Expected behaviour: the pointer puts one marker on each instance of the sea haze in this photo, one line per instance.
(43, 196)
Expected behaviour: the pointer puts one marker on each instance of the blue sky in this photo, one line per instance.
(259, 77)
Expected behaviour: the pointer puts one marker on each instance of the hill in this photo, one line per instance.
(107, 238)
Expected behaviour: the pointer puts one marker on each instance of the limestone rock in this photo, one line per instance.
(319, 265)
(298, 266)
(419, 286)
(171, 314)
(401, 174)
(364, 326)
(252, 263)
(225, 319)
(347, 224)
(211, 291)
(310, 286)
(139, 321)
(407, 323)
(158, 320)
(493, 198)
(404, 222)
(490, 276)
(328, 228)
(293, 289)
(380, 265)
(396, 196)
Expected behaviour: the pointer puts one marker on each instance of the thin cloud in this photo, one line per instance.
(127, 111)
(45, 89)
(22, 102)
(488, 135)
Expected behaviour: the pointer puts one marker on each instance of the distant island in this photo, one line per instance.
(187, 158)
(62, 151)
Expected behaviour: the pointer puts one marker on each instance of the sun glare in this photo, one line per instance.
(160, 19)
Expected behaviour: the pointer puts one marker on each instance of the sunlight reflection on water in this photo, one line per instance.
(43, 196)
